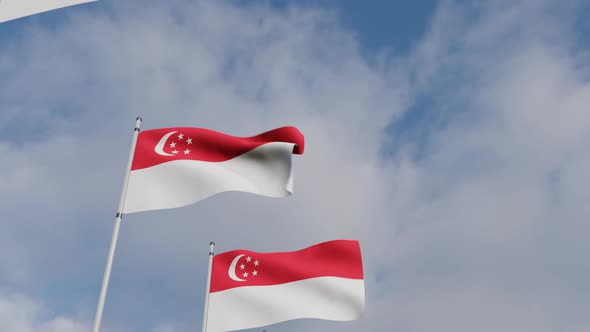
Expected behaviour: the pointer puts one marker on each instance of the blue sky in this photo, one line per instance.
(391, 26)
(449, 139)
(379, 24)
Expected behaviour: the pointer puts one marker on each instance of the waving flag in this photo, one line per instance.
(174, 167)
(13, 9)
(250, 289)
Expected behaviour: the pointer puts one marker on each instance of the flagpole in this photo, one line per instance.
(118, 217)
(206, 308)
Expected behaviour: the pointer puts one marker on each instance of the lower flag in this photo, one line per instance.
(250, 289)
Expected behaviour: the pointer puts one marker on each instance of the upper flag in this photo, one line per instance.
(250, 289)
(13, 9)
(174, 167)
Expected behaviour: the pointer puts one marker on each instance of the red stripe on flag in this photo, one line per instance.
(340, 258)
(162, 145)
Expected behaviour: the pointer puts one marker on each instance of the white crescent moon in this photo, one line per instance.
(232, 269)
(160, 146)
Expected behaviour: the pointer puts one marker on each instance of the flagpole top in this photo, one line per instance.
(211, 248)
(138, 123)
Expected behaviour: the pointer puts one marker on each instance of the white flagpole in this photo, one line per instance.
(206, 309)
(118, 217)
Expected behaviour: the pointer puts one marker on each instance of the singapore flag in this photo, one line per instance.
(174, 167)
(13, 9)
(250, 289)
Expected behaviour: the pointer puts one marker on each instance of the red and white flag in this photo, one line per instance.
(13, 9)
(174, 167)
(251, 289)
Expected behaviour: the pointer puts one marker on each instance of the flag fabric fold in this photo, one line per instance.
(13, 9)
(175, 167)
(250, 289)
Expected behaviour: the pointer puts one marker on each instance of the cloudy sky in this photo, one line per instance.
(450, 139)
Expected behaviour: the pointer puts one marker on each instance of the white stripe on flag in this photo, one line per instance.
(13, 9)
(265, 170)
(329, 298)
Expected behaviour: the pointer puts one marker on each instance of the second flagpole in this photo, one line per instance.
(118, 217)
(207, 288)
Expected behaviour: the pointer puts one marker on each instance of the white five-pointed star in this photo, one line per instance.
(255, 273)
(245, 275)
(248, 259)
(180, 136)
(256, 262)
(189, 141)
(242, 266)
(175, 152)
(187, 151)
(173, 144)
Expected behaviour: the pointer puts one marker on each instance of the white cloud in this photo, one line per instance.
(21, 314)
(489, 237)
